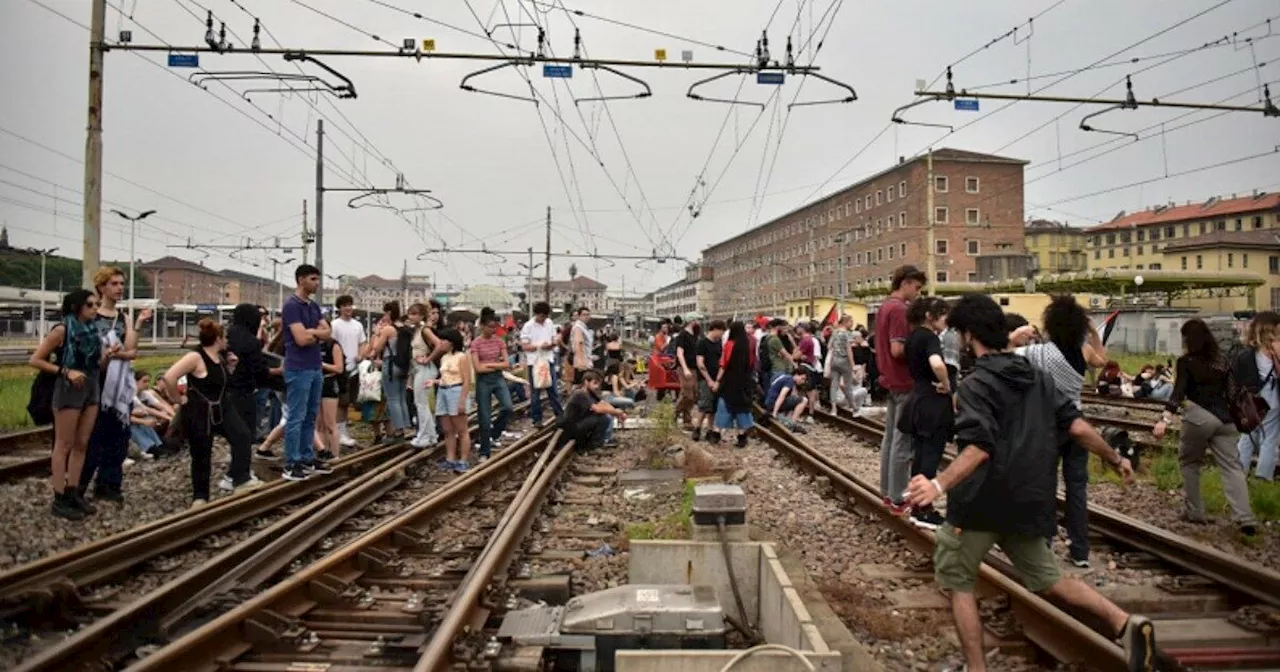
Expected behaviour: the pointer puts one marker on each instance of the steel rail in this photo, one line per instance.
(18, 466)
(1255, 581)
(1050, 628)
(245, 566)
(271, 616)
(466, 608)
(43, 583)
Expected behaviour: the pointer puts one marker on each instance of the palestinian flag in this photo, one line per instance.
(1109, 324)
(833, 317)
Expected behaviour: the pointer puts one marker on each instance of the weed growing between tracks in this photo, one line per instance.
(674, 526)
(15, 388)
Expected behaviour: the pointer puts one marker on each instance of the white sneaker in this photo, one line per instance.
(252, 484)
(199, 503)
(128, 462)
(347, 441)
(226, 484)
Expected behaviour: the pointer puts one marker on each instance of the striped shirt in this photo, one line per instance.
(489, 350)
(1049, 359)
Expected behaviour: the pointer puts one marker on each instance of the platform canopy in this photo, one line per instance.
(1099, 281)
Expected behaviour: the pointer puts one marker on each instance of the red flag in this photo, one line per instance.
(832, 317)
(1109, 324)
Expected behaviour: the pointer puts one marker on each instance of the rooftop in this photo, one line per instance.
(579, 283)
(1213, 208)
(1263, 239)
(939, 155)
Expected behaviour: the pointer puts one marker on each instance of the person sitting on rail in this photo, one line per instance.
(783, 397)
(1011, 421)
(148, 419)
(1154, 381)
(1111, 381)
(588, 420)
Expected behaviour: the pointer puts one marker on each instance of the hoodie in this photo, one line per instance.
(1016, 414)
(242, 339)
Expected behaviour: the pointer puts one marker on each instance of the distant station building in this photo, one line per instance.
(1057, 247)
(694, 293)
(977, 207)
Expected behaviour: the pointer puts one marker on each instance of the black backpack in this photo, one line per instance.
(403, 356)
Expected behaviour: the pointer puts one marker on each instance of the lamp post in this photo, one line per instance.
(44, 258)
(275, 277)
(133, 241)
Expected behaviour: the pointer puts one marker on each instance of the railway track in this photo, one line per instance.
(398, 596)
(25, 453)
(1212, 610)
(124, 589)
(1148, 405)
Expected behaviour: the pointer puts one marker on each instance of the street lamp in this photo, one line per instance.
(133, 240)
(275, 277)
(44, 257)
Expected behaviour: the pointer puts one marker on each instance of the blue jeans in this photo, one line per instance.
(108, 448)
(487, 385)
(1075, 473)
(517, 392)
(553, 396)
(146, 437)
(302, 395)
(393, 390)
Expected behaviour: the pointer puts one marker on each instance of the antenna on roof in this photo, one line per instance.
(1118, 215)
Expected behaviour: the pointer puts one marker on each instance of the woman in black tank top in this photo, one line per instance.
(207, 414)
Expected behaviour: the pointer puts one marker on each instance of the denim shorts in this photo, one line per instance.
(449, 401)
(726, 419)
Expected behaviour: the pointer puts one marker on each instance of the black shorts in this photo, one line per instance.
(350, 392)
(329, 388)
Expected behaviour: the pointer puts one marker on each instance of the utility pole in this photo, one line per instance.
(44, 257)
(776, 310)
(133, 241)
(319, 211)
(529, 294)
(840, 297)
(931, 261)
(155, 295)
(306, 235)
(812, 268)
(546, 288)
(93, 148)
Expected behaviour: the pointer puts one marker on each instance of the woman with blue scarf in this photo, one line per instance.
(73, 352)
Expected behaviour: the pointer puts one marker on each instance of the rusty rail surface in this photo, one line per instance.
(25, 453)
(271, 624)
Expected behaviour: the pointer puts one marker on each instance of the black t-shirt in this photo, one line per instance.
(578, 407)
(861, 355)
(710, 351)
(689, 342)
(921, 344)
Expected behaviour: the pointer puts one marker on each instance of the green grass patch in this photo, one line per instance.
(15, 388)
(677, 525)
(1165, 473)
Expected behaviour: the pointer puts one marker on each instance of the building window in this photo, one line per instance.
(940, 246)
(1111, 239)
(1274, 263)
(1155, 267)
(1140, 252)
(973, 247)
(902, 189)
(879, 196)
(1111, 253)
(1184, 262)
(889, 195)
(1244, 260)
(972, 276)
(866, 202)
(1239, 224)
(1257, 222)
(1204, 228)
(1231, 260)
(971, 216)
(971, 185)
(891, 252)
(902, 220)
(902, 250)
(939, 215)
(1097, 254)
(1126, 250)
(857, 205)
(941, 276)
(879, 255)
(1199, 262)
(1220, 225)
(940, 184)
(1142, 235)
(1155, 234)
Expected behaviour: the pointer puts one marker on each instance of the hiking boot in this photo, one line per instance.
(742, 441)
(697, 434)
(713, 437)
(1138, 639)
(65, 507)
(106, 494)
(83, 504)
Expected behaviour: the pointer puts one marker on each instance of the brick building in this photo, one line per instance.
(174, 281)
(978, 209)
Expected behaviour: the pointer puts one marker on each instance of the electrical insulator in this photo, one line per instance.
(764, 49)
(208, 30)
(542, 40)
(577, 44)
(791, 61)
(222, 36)
(257, 41)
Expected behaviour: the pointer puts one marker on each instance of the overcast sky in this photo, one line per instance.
(221, 172)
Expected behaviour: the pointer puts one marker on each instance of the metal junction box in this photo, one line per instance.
(626, 617)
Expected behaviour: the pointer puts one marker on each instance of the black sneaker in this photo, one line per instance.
(1139, 643)
(295, 473)
(105, 494)
(1249, 530)
(319, 468)
(325, 456)
(928, 519)
(65, 507)
(697, 434)
(742, 441)
(609, 444)
(83, 504)
(265, 455)
(713, 437)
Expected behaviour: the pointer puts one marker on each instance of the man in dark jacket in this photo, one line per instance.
(243, 340)
(1003, 485)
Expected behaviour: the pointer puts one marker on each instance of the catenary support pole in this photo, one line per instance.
(930, 242)
(93, 148)
(546, 287)
(319, 209)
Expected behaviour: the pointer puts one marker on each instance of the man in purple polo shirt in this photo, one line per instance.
(304, 329)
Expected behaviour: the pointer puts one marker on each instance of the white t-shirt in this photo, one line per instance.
(350, 335)
(533, 333)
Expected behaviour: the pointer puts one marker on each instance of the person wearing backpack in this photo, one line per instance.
(394, 346)
(72, 354)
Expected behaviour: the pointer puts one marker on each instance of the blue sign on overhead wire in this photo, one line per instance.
(770, 78)
(967, 104)
(558, 71)
(184, 60)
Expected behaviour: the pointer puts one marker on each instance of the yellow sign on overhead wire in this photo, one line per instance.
(660, 54)
(428, 45)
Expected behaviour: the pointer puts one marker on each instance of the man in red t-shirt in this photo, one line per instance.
(891, 359)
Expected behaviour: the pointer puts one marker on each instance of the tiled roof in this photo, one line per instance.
(580, 283)
(1211, 209)
(174, 263)
(1257, 238)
